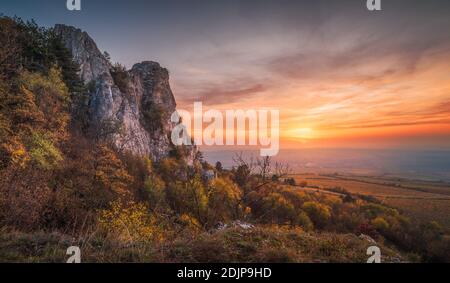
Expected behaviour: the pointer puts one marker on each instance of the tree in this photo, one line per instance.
(277, 209)
(242, 175)
(51, 96)
(224, 200)
(69, 68)
(219, 167)
(264, 167)
(110, 173)
(10, 48)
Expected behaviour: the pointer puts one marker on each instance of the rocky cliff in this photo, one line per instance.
(141, 106)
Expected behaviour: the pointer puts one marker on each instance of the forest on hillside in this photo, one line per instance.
(62, 184)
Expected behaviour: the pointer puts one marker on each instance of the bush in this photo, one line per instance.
(153, 116)
(304, 221)
(120, 77)
(276, 209)
(380, 224)
(44, 153)
(129, 222)
(224, 200)
(154, 188)
(290, 182)
(318, 213)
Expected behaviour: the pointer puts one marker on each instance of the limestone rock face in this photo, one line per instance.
(142, 109)
(85, 52)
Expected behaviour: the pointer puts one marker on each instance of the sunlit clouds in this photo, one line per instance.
(339, 74)
(354, 82)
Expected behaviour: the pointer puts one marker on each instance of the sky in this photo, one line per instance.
(341, 76)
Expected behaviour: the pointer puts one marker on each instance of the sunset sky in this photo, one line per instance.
(340, 75)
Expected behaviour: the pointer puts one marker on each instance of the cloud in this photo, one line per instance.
(437, 113)
(367, 62)
(383, 123)
(226, 92)
(442, 108)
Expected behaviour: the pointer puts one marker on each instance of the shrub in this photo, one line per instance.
(290, 182)
(130, 221)
(224, 199)
(302, 184)
(51, 97)
(153, 116)
(219, 167)
(242, 175)
(380, 224)
(44, 153)
(13, 152)
(120, 76)
(318, 213)
(154, 188)
(277, 209)
(304, 221)
(372, 210)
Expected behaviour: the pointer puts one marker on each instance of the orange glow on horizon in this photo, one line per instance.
(366, 106)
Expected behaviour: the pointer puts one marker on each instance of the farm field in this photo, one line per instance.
(419, 199)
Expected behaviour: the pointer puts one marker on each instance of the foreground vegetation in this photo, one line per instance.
(63, 184)
(261, 244)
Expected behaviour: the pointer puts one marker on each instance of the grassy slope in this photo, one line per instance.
(229, 245)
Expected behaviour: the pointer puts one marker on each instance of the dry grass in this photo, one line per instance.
(260, 244)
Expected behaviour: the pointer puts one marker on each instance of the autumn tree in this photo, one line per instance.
(224, 200)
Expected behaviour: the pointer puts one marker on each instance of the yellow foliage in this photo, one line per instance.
(26, 114)
(130, 222)
(190, 221)
(148, 164)
(155, 189)
(226, 188)
(51, 96)
(44, 152)
(53, 84)
(110, 171)
(317, 212)
(17, 152)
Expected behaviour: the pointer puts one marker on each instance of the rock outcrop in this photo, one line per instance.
(141, 107)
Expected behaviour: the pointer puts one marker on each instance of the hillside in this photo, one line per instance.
(86, 160)
(424, 200)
